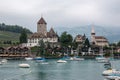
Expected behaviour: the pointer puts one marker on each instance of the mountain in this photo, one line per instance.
(111, 33)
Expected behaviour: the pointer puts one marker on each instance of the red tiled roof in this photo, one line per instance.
(41, 21)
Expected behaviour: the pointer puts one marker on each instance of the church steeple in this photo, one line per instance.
(92, 31)
(92, 35)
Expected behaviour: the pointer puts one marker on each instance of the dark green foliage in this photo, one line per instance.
(13, 28)
(87, 43)
(41, 48)
(66, 39)
(118, 44)
(7, 42)
(23, 37)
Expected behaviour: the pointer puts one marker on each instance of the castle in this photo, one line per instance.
(52, 37)
(42, 34)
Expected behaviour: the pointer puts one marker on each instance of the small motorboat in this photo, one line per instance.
(4, 61)
(61, 61)
(39, 59)
(107, 65)
(28, 58)
(24, 65)
(110, 72)
(113, 77)
(102, 60)
(78, 59)
(0, 63)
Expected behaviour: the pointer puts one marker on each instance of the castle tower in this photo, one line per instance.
(92, 35)
(42, 26)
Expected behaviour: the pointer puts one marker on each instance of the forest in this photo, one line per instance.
(13, 28)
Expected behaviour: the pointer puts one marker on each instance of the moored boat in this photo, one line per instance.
(39, 59)
(24, 65)
(78, 59)
(28, 58)
(61, 61)
(4, 61)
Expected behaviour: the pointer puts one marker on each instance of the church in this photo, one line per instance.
(42, 34)
(98, 40)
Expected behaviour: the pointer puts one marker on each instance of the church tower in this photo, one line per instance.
(92, 35)
(42, 27)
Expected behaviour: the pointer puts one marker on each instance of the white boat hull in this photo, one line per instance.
(61, 61)
(24, 65)
(28, 58)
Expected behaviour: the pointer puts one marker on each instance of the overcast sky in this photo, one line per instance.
(57, 13)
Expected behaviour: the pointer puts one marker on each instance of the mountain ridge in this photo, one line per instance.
(111, 33)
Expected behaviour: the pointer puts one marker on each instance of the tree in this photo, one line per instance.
(66, 39)
(23, 37)
(118, 44)
(87, 43)
(41, 48)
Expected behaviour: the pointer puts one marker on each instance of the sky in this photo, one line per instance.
(60, 13)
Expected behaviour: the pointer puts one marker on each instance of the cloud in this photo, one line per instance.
(58, 13)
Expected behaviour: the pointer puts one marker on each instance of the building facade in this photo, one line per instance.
(98, 40)
(42, 34)
(80, 38)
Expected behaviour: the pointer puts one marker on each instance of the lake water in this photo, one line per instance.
(72, 70)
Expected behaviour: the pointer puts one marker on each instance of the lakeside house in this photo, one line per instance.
(14, 52)
(80, 38)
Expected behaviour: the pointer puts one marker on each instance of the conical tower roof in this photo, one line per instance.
(41, 21)
(52, 31)
(93, 31)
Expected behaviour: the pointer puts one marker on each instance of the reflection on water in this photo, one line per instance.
(72, 70)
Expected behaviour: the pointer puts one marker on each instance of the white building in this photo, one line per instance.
(42, 34)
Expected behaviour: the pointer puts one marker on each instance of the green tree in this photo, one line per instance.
(41, 48)
(118, 44)
(66, 39)
(23, 37)
(87, 43)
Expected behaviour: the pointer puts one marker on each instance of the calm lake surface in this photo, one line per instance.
(72, 70)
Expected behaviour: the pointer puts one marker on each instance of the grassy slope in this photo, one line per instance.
(5, 35)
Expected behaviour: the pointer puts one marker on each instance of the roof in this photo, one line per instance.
(41, 21)
(79, 36)
(100, 37)
(37, 35)
(51, 33)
